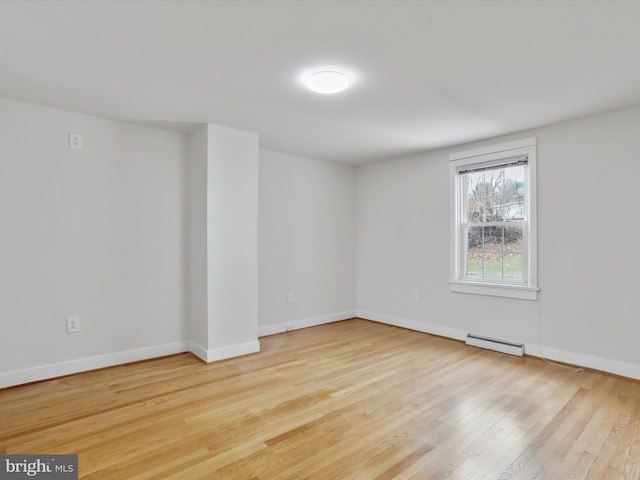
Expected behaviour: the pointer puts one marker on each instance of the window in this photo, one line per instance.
(493, 227)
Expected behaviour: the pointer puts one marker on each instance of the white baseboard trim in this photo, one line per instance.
(413, 325)
(615, 367)
(34, 374)
(44, 372)
(197, 350)
(588, 361)
(224, 353)
(304, 323)
(60, 369)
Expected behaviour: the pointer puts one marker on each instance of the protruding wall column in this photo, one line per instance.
(223, 315)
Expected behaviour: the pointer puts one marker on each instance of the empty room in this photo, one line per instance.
(274, 240)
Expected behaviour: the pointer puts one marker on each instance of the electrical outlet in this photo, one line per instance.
(73, 324)
(75, 141)
(414, 296)
(291, 297)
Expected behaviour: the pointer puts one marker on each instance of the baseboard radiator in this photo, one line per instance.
(503, 346)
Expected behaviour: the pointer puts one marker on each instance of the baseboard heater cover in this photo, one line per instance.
(503, 346)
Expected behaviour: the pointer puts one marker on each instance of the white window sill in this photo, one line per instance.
(495, 290)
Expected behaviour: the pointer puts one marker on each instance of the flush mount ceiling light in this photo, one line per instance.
(327, 80)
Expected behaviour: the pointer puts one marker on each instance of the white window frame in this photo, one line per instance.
(483, 157)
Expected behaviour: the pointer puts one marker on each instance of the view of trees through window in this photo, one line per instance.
(494, 222)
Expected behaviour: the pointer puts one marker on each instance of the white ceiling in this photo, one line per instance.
(428, 74)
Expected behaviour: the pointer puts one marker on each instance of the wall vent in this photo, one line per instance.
(503, 346)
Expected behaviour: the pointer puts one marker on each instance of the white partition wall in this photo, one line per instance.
(197, 310)
(223, 263)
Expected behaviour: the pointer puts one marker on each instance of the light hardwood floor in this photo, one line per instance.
(349, 400)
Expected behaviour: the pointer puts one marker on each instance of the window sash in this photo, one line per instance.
(463, 223)
(463, 191)
(464, 251)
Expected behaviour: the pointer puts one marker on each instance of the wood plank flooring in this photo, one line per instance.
(349, 400)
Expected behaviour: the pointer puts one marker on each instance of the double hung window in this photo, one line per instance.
(493, 221)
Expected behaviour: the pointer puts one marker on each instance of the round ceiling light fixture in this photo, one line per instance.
(327, 80)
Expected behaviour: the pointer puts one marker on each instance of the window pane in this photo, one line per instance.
(474, 264)
(476, 197)
(475, 211)
(493, 252)
(513, 193)
(501, 214)
(513, 238)
(474, 252)
(493, 267)
(493, 239)
(495, 195)
(513, 266)
(493, 203)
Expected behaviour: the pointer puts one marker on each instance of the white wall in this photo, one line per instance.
(588, 212)
(197, 285)
(82, 232)
(306, 241)
(587, 312)
(232, 241)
